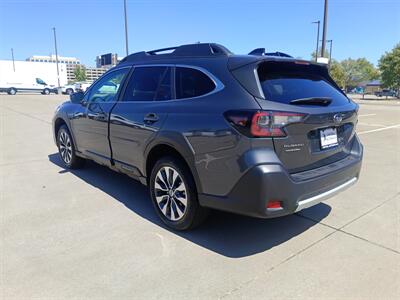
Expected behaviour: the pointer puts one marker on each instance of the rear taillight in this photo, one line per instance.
(263, 123)
(270, 124)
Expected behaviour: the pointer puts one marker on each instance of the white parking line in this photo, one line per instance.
(379, 129)
(367, 115)
(370, 124)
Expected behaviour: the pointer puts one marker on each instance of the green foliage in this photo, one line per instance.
(80, 73)
(389, 65)
(351, 72)
(337, 73)
(357, 71)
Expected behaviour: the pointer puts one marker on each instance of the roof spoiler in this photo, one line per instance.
(261, 52)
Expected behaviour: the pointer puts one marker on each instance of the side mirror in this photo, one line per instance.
(76, 97)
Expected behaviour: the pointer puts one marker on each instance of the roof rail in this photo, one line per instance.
(199, 49)
(261, 52)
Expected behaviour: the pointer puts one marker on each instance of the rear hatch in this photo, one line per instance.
(313, 121)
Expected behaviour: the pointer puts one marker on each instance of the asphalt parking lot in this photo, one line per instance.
(93, 233)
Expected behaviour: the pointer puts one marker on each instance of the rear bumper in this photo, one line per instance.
(267, 182)
(325, 195)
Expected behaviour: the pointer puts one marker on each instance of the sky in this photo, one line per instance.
(87, 28)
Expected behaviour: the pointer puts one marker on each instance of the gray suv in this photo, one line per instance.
(263, 135)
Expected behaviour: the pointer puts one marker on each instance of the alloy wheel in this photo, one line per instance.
(170, 192)
(65, 147)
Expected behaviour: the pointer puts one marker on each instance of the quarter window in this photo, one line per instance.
(149, 84)
(106, 89)
(192, 83)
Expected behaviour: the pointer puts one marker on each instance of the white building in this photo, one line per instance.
(70, 65)
(93, 74)
(52, 58)
(70, 62)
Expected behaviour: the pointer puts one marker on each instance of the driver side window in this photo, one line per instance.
(40, 81)
(107, 88)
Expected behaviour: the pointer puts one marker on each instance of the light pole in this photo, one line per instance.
(324, 28)
(330, 50)
(316, 51)
(55, 46)
(12, 55)
(126, 29)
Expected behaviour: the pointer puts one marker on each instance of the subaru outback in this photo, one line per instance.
(263, 135)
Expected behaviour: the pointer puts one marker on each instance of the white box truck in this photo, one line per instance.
(27, 76)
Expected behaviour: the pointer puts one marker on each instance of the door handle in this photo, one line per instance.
(150, 118)
(100, 117)
(97, 116)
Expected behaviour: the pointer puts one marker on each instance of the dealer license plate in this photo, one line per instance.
(328, 138)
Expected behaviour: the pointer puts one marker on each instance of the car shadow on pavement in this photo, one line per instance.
(224, 233)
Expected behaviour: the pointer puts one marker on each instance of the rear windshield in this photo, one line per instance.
(289, 83)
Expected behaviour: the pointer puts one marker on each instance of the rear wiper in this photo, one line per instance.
(323, 101)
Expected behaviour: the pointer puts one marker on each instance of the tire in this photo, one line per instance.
(12, 91)
(69, 91)
(46, 92)
(66, 149)
(175, 201)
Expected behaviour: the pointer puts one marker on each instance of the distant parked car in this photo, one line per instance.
(68, 89)
(82, 86)
(385, 93)
(358, 90)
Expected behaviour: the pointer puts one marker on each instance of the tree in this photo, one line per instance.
(337, 73)
(389, 65)
(80, 73)
(351, 72)
(357, 71)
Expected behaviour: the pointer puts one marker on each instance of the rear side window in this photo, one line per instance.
(289, 83)
(149, 84)
(192, 83)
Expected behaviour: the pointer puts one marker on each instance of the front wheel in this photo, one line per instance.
(46, 92)
(66, 149)
(174, 195)
(12, 91)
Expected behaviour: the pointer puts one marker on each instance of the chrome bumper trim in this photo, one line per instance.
(325, 195)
